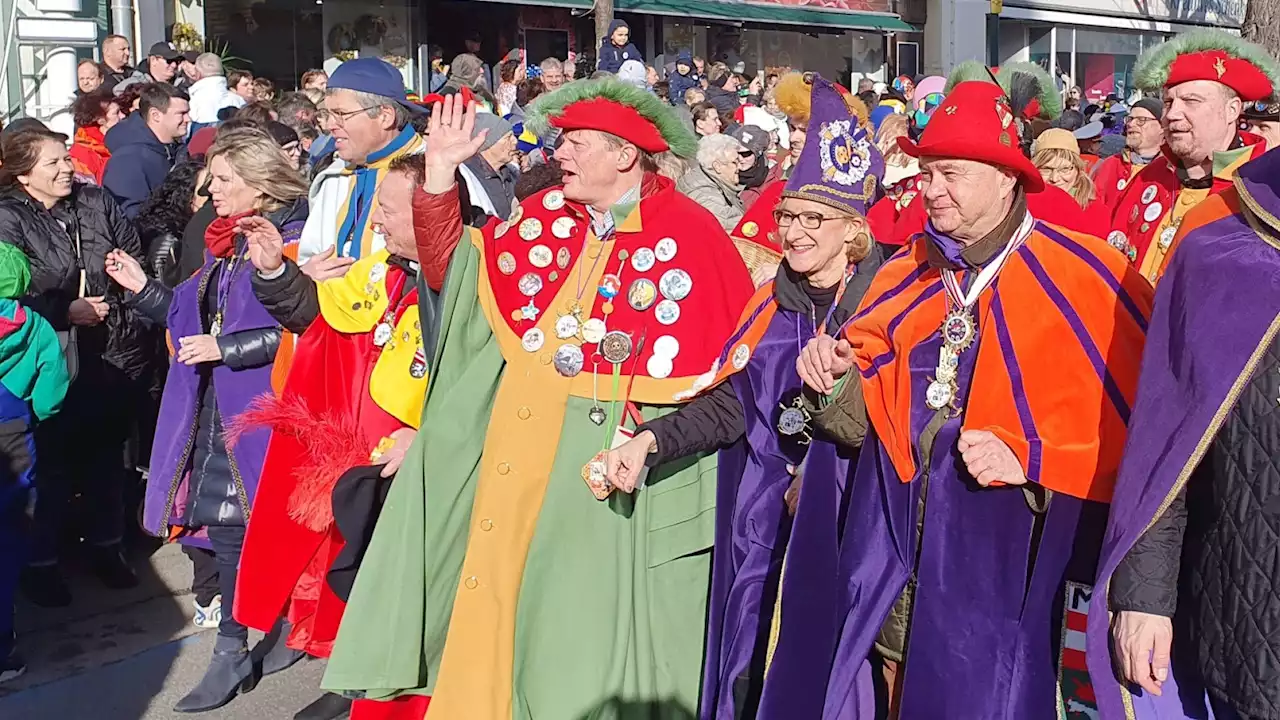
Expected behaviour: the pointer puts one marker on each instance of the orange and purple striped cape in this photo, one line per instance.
(1060, 343)
(1209, 210)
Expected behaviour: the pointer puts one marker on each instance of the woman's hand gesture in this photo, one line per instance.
(126, 271)
(266, 247)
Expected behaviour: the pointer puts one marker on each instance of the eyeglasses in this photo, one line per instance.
(1138, 121)
(808, 220)
(1062, 171)
(327, 118)
(744, 154)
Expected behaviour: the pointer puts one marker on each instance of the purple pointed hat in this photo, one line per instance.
(839, 165)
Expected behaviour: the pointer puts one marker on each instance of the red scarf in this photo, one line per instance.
(220, 238)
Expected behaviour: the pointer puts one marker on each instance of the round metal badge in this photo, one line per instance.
(377, 272)
(566, 327)
(563, 258)
(667, 312)
(593, 330)
(532, 340)
(938, 395)
(675, 284)
(1121, 184)
(616, 346)
(568, 360)
(540, 256)
(750, 229)
(516, 214)
(530, 229)
(530, 284)
(1118, 240)
(1153, 212)
(1133, 214)
(958, 330)
(553, 200)
(665, 249)
(501, 229)
(506, 263)
(642, 294)
(610, 286)
(666, 346)
(1149, 194)
(563, 227)
(741, 355)
(382, 334)
(659, 367)
(792, 421)
(643, 260)
(1166, 237)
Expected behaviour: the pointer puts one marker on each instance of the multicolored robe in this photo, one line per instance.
(1216, 313)
(1155, 200)
(1052, 375)
(760, 663)
(344, 395)
(495, 581)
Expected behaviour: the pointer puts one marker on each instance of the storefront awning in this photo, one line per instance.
(740, 12)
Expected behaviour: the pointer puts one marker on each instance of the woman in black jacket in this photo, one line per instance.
(225, 343)
(66, 230)
(163, 219)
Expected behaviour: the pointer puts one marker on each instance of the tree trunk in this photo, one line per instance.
(604, 16)
(1261, 25)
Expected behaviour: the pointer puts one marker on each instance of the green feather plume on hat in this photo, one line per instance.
(681, 141)
(1151, 71)
(1016, 78)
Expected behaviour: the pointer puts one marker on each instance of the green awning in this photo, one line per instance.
(744, 12)
(765, 13)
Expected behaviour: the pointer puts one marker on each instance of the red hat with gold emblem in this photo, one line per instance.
(615, 107)
(975, 122)
(1246, 68)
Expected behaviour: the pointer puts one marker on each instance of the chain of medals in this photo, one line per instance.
(223, 291)
(385, 329)
(794, 420)
(959, 328)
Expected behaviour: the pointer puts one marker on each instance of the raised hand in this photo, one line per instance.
(126, 271)
(449, 142)
(266, 247)
(327, 266)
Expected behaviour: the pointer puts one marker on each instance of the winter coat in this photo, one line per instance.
(725, 102)
(47, 236)
(612, 56)
(210, 95)
(139, 163)
(711, 193)
(680, 83)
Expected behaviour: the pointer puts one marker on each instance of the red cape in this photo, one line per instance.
(283, 562)
(1052, 205)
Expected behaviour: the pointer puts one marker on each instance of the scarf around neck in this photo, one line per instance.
(220, 238)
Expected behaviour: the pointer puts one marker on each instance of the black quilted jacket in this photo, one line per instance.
(1215, 556)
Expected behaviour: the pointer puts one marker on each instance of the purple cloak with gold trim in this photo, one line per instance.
(1218, 304)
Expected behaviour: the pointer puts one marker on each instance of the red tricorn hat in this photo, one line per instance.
(975, 122)
(1245, 67)
(614, 118)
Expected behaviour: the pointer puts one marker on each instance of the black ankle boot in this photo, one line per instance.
(272, 654)
(230, 673)
(328, 707)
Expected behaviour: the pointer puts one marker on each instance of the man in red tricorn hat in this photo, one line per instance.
(987, 378)
(1205, 77)
(504, 579)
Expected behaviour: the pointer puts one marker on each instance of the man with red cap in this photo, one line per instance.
(1206, 77)
(987, 379)
(500, 579)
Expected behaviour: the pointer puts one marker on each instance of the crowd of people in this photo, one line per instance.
(670, 391)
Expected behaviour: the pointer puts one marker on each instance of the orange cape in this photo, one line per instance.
(1059, 346)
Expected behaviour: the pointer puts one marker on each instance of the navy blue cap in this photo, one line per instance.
(375, 76)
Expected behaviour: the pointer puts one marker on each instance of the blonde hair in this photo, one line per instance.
(892, 128)
(261, 163)
(1082, 189)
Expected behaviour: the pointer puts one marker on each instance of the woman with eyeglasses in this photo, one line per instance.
(750, 409)
(1057, 156)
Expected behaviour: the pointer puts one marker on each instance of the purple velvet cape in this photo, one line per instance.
(977, 647)
(1218, 302)
(180, 404)
(754, 532)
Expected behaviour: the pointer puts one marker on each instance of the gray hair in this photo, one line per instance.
(717, 148)
(551, 64)
(372, 103)
(209, 65)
